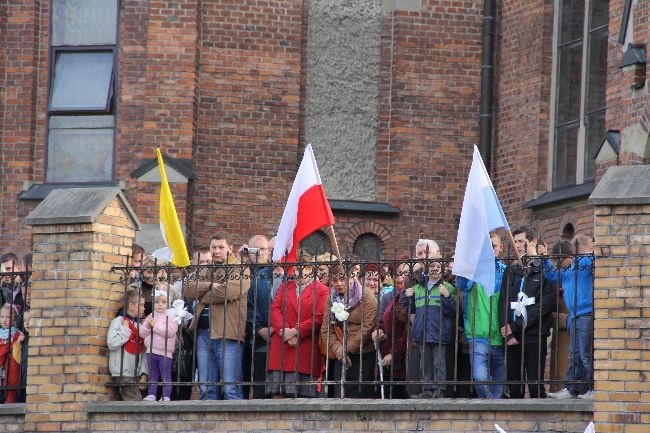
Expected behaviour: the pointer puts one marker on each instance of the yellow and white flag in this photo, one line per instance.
(175, 252)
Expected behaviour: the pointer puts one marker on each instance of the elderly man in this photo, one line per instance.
(258, 329)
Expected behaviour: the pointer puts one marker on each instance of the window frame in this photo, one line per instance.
(55, 52)
(112, 100)
(554, 126)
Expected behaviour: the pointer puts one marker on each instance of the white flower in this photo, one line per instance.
(339, 311)
(179, 312)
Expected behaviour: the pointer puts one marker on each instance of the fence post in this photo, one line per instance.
(78, 235)
(621, 313)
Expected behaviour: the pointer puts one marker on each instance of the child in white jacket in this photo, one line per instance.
(126, 348)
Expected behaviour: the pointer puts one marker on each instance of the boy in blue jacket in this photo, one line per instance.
(576, 275)
(434, 303)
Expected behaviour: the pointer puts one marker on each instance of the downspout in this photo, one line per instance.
(487, 82)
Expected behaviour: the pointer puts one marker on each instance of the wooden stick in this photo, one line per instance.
(336, 245)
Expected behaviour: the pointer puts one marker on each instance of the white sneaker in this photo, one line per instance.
(563, 394)
(150, 397)
(589, 395)
(164, 399)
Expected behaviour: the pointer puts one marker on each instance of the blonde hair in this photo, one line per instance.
(171, 292)
(12, 309)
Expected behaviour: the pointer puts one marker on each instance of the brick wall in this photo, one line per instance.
(337, 416)
(622, 402)
(626, 107)
(523, 79)
(12, 421)
(246, 145)
(428, 116)
(18, 77)
(74, 297)
(225, 83)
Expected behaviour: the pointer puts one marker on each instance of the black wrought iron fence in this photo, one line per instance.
(14, 332)
(360, 329)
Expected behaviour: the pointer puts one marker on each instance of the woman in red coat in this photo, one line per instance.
(296, 317)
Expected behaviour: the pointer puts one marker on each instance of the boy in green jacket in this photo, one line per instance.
(481, 318)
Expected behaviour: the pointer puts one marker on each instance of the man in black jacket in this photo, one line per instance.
(525, 306)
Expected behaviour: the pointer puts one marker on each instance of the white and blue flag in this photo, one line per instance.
(474, 258)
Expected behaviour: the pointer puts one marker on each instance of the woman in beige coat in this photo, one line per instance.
(357, 351)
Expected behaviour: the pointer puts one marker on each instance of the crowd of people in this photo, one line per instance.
(14, 325)
(237, 326)
(407, 328)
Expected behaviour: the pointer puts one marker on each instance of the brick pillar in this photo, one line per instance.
(621, 307)
(78, 235)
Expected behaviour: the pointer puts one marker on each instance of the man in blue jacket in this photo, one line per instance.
(258, 329)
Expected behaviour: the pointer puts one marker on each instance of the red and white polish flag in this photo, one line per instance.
(307, 210)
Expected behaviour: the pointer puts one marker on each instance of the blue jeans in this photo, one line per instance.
(433, 364)
(487, 364)
(580, 345)
(218, 360)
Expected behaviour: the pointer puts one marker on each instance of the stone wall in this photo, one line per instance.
(622, 320)
(621, 301)
(329, 416)
(341, 109)
(79, 235)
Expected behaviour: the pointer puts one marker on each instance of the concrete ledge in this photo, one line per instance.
(12, 409)
(344, 405)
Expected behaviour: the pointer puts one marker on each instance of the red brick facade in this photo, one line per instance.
(223, 83)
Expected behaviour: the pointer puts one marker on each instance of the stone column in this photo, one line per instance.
(78, 235)
(622, 301)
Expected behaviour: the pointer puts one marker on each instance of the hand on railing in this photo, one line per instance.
(378, 335)
(339, 356)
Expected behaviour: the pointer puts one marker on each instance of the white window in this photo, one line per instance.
(81, 108)
(579, 92)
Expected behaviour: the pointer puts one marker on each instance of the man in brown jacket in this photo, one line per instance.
(220, 322)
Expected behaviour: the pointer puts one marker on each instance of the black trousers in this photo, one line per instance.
(526, 363)
(362, 368)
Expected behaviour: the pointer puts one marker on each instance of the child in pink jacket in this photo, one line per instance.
(159, 334)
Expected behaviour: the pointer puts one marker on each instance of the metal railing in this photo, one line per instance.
(270, 330)
(14, 336)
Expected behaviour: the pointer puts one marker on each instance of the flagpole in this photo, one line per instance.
(514, 245)
(336, 245)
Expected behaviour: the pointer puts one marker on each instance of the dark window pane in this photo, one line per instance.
(316, 243)
(82, 81)
(599, 13)
(597, 79)
(80, 149)
(595, 136)
(566, 146)
(84, 22)
(568, 83)
(367, 247)
(571, 20)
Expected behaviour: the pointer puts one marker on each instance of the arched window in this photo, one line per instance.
(316, 243)
(568, 232)
(367, 247)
